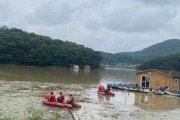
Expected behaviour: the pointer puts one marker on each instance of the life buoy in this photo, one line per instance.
(157, 82)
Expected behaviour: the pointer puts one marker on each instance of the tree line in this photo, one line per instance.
(20, 47)
(171, 62)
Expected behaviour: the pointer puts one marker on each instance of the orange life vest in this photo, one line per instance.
(62, 97)
(52, 98)
(72, 98)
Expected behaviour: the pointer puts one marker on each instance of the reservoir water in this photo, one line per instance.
(33, 83)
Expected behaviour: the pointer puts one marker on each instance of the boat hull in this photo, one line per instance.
(61, 104)
(104, 93)
(171, 93)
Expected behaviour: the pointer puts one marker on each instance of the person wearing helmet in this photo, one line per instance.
(61, 97)
(52, 97)
(71, 100)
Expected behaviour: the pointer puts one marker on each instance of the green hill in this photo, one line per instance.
(20, 47)
(165, 48)
(118, 58)
(171, 62)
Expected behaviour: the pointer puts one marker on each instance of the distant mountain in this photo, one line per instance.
(171, 62)
(165, 48)
(118, 58)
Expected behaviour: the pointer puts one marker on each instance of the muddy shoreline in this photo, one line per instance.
(18, 96)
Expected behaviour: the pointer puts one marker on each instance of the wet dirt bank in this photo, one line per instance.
(17, 97)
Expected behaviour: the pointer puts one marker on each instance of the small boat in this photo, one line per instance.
(174, 93)
(101, 92)
(146, 90)
(121, 86)
(104, 93)
(116, 86)
(130, 87)
(158, 92)
(61, 104)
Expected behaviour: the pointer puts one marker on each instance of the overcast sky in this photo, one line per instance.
(105, 25)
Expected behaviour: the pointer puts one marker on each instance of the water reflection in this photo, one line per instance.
(117, 76)
(147, 101)
(64, 75)
(103, 98)
(47, 74)
(156, 102)
(75, 71)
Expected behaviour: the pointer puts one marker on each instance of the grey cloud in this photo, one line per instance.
(53, 13)
(4, 12)
(105, 25)
(141, 19)
(159, 2)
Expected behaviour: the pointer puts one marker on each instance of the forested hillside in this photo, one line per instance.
(118, 58)
(171, 62)
(165, 48)
(20, 47)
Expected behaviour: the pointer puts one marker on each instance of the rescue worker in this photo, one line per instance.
(100, 87)
(103, 89)
(71, 100)
(107, 89)
(52, 97)
(61, 97)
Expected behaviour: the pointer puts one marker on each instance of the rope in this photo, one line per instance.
(71, 114)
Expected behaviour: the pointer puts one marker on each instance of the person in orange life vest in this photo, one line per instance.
(103, 89)
(71, 100)
(99, 88)
(108, 89)
(52, 97)
(61, 97)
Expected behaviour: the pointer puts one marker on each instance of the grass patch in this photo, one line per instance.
(35, 114)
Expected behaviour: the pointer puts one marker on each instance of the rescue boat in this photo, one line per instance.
(61, 104)
(104, 93)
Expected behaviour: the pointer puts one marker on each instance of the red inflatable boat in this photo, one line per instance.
(61, 104)
(104, 93)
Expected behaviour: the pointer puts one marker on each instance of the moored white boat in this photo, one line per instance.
(159, 92)
(174, 93)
